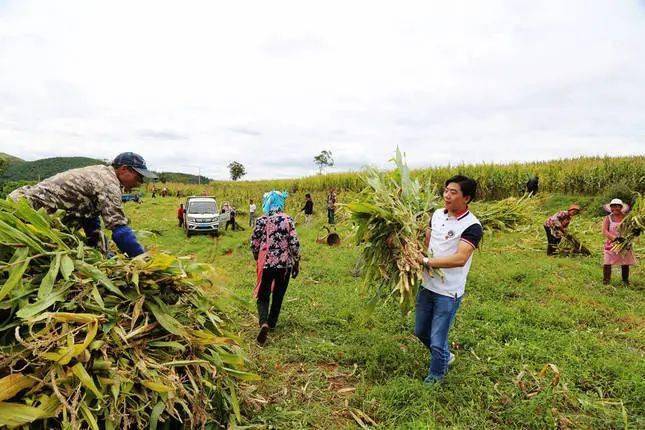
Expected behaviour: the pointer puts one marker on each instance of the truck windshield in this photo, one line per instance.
(202, 208)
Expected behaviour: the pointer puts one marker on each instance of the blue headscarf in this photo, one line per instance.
(273, 201)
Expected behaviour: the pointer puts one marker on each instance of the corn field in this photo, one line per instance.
(584, 175)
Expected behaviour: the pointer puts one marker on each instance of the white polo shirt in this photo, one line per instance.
(446, 234)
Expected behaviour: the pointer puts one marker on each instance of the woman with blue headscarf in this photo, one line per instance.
(276, 249)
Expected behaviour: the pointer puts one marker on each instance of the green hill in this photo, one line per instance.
(44, 168)
(17, 169)
(182, 178)
(10, 158)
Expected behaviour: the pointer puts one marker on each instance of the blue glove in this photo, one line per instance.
(127, 242)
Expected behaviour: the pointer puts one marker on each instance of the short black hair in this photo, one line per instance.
(307, 195)
(467, 185)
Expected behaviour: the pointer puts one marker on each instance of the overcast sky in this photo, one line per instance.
(196, 84)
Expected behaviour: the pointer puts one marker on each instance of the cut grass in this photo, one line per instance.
(521, 311)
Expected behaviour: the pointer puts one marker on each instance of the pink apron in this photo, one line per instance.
(625, 258)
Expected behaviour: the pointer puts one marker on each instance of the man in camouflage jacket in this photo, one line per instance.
(93, 191)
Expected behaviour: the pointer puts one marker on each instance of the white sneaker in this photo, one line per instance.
(451, 359)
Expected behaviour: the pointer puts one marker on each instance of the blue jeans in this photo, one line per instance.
(434, 315)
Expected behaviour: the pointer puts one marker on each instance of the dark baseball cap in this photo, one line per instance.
(135, 161)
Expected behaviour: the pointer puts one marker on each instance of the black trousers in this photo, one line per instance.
(331, 216)
(269, 304)
(552, 242)
(230, 222)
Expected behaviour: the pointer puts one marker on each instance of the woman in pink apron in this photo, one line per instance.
(623, 259)
(276, 249)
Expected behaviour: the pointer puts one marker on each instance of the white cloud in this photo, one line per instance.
(198, 84)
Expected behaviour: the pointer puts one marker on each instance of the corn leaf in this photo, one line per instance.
(155, 414)
(167, 321)
(79, 371)
(15, 414)
(13, 384)
(41, 305)
(66, 266)
(89, 416)
(21, 262)
(157, 386)
(98, 276)
(49, 279)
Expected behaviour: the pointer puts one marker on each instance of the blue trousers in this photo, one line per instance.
(434, 315)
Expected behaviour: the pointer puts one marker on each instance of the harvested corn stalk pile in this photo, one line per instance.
(87, 342)
(391, 215)
(504, 215)
(631, 227)
(570, 245)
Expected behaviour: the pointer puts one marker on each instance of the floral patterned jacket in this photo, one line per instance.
(558, 223)
(278, 233)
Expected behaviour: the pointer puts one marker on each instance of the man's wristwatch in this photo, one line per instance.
(426, 262)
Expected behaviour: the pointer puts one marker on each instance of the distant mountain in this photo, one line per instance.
(10, 158)
(183, 178)
(44, 168)
(21, 170)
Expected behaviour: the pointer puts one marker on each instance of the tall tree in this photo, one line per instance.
(237, 170)
(324, 159)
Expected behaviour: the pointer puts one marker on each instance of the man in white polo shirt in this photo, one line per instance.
(453, 236)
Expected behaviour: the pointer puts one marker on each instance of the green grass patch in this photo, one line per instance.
(329, 360)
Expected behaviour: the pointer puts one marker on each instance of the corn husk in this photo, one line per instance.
(89, 342)
(630, 228)
(390, 217)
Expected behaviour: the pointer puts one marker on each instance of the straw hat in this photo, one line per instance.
(574, 206)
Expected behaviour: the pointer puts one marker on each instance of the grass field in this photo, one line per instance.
(540, 342)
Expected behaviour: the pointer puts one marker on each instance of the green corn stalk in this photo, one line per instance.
(504, 215)
(571, 245)
(87, 342)
(391, 216)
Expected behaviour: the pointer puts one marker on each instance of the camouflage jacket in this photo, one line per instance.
(83, 193)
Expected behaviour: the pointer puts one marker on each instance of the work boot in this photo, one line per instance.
(606, 274)
(625, 273)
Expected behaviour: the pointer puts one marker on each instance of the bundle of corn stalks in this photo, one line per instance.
(87, 342)
(570, 245)
(631, 227)
(504, 215)
(390, 216)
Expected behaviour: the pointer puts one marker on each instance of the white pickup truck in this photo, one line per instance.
(201, 215)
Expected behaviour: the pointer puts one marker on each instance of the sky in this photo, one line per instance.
(194, 85)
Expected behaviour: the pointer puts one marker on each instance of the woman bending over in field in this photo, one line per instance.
(556, 225)
(623, 259)
(276, 250)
